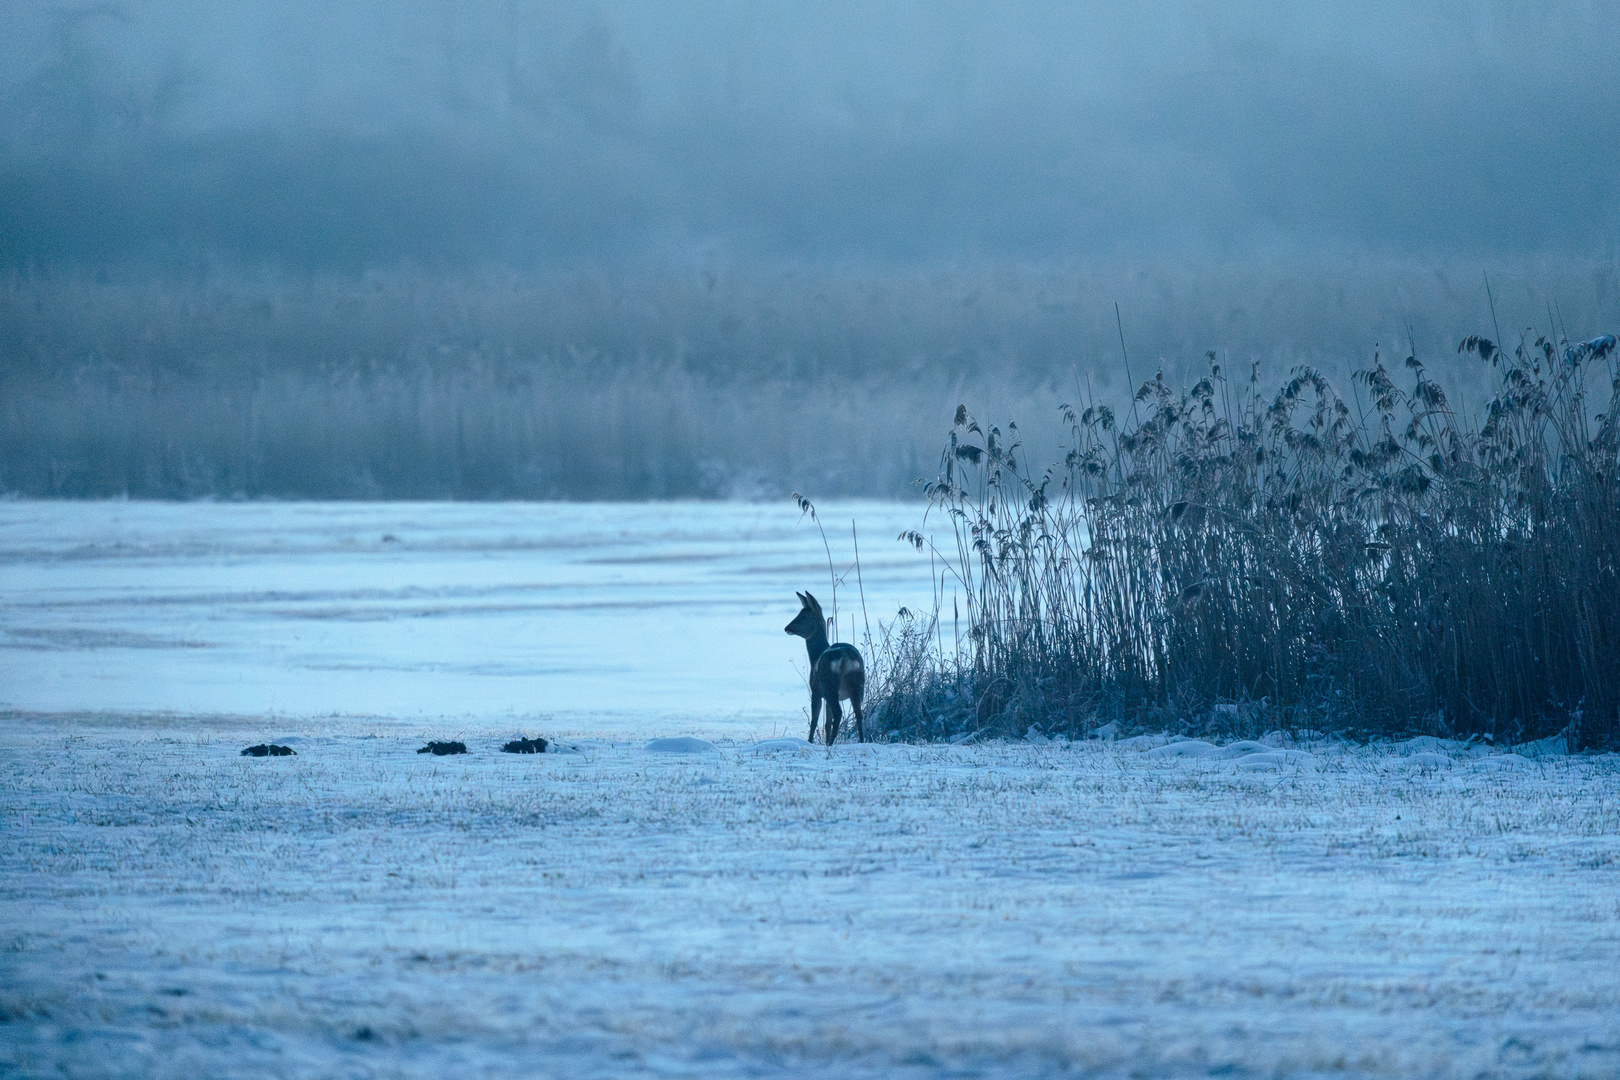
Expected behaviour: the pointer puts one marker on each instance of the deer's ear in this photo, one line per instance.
(802, 600)
(811, 601)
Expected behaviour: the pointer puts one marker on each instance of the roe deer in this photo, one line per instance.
(836, 671)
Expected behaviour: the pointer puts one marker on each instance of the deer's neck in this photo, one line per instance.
(815, 645)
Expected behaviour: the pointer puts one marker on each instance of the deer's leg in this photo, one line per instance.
(835, 716)
(815, 709)
(855, 704)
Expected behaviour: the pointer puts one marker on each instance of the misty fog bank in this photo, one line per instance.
(637, 133)
(632, 248)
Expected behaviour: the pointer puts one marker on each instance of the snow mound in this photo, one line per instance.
(564, 748)
(1426, 744)
(683, 745)
(1556, 746)
(779, 746)
(1243, 748)
(857, 748)
(1254, 756)
(1504, 761)
(1286, 740)
(1247, 753)
(1142, 742)
(1185, 748)
(1427, 760)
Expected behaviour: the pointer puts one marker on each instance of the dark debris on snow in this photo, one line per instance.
(269, 750)
(442, 748)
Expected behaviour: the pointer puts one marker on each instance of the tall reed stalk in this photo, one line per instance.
(1372, 564)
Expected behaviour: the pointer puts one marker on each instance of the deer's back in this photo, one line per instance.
(840, 671)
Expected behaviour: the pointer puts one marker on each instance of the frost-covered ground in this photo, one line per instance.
(171, 908)
(748, 907)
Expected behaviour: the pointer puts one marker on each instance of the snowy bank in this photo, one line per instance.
(769, 908)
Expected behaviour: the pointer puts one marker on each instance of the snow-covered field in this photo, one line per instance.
(746, 907)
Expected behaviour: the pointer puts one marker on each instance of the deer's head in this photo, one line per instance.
(809, 620)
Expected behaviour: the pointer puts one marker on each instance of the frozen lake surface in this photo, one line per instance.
(607, 617)
(741, 907)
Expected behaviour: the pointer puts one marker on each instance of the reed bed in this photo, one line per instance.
(730, 380)
(570, 427)
(1225, 561)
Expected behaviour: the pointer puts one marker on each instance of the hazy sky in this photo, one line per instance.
(354, 132)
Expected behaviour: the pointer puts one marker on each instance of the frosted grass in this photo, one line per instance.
(357, 910)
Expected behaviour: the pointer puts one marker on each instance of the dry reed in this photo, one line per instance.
(1224, 561)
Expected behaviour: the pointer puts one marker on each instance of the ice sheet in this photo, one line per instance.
(618, 611)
